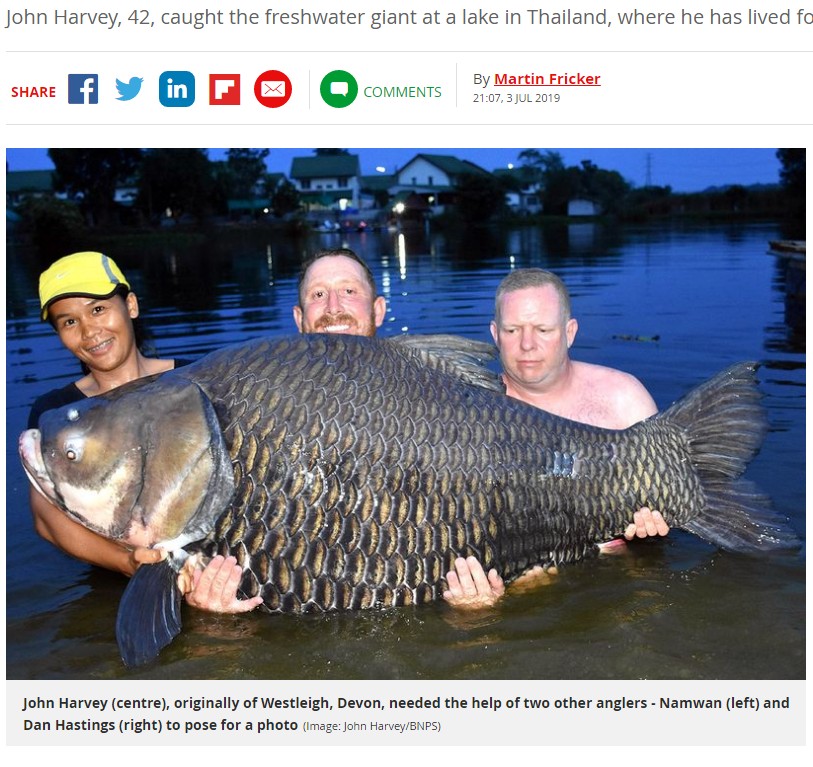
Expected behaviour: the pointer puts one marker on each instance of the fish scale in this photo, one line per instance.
(513, 486)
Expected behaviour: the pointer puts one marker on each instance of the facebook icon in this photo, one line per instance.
(83, 89)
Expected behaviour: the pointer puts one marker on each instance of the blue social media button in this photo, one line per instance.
(176, 89)
(83, 89)
(128, 90)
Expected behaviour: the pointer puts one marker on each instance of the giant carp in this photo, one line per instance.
(346, 473)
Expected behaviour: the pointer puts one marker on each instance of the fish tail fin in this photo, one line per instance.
(149, 616)
(725, 423)
(738, 517)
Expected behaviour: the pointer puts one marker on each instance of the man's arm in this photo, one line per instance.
(56, 527)
(214, 588)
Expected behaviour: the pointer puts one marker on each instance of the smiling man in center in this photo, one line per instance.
(337, 294)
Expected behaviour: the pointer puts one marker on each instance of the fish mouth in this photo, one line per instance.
(30, 446)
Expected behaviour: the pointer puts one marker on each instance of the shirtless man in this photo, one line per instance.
(534, 330)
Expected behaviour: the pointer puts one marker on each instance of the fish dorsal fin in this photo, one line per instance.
(460, 357)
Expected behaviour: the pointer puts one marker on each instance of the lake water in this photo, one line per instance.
(672, 305)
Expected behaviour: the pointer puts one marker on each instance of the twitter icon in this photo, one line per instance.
(129, 90)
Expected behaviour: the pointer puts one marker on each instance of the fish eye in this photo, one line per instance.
(73, 451)
(73, 414)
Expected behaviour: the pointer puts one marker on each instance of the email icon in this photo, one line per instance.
(274, 89)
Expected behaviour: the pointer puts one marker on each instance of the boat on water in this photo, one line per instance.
(328, 226)
(783, 247)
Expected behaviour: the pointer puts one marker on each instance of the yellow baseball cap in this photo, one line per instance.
(80, 274)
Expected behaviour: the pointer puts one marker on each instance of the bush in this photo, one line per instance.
(56, 227)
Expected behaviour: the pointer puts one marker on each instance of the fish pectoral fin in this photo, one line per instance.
(461, 357)
(149, 616)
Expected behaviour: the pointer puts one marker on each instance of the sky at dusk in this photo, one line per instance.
(685, 170)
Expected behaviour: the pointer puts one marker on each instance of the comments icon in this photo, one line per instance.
(339, 89)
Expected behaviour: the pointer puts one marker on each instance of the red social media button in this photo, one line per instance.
(224, 89)
(272, 88)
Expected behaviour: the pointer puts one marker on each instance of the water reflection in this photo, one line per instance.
(402, 255)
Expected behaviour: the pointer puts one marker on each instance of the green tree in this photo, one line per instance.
(539, 165)
(381, 198)
(560, 186)
(285, 199)
(561, 183)
(91, 177)
(647, 201)
(736, 198)
(246, 168)
(177, 182)
(56, 226)
(607, 188)
(793, 177)
(479, 196)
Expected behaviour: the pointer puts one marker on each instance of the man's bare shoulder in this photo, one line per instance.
(628, 397)
(589, 372)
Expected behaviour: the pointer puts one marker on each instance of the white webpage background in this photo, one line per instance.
(708, 75)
